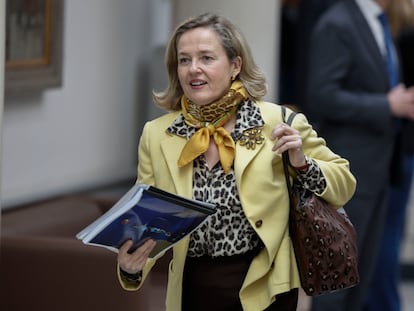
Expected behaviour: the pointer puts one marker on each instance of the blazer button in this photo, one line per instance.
(259, 223)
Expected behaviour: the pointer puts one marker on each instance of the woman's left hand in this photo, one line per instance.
(289, 139)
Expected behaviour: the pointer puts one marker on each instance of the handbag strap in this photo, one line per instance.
(285, 154)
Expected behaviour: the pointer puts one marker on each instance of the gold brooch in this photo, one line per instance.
(252, 137)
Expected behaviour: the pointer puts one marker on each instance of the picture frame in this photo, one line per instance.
(33, 51)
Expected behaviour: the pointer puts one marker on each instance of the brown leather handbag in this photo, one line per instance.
(323, 238)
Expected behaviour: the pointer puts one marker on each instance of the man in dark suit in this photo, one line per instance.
(309, 12)
(384, 292)
(356, 108)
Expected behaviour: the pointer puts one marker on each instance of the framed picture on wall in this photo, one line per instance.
(33, 51)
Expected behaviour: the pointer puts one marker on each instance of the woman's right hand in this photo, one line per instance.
(134, 262)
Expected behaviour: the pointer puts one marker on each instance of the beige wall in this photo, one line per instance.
(83, 134)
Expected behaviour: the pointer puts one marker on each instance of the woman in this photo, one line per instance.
(242, 257)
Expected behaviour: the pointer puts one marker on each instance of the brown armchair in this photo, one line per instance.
(44, 267)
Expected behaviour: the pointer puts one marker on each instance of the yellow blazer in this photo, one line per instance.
(263, 194)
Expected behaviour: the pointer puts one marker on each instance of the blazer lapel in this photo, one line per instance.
(243, 157)
(181, 177)
(171, 148)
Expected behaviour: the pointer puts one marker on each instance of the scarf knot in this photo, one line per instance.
(219, 112)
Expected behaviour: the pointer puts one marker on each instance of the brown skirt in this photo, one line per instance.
(214, 284)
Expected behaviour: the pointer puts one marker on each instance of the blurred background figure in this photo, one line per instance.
(289, 19)
(355, 98)
(298, 17)
(384, 289)
(309, 12)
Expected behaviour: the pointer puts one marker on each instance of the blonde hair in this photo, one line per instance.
(401, 15)
(233, 43)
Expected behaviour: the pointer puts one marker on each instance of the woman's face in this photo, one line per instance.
(204, 70)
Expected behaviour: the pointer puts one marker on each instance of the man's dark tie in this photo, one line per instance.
(391, 59)
(394, 79)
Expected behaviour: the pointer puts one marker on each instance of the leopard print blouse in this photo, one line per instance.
(228, 232)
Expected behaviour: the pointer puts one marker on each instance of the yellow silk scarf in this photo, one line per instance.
(199, 142)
